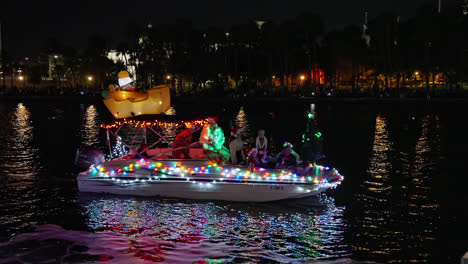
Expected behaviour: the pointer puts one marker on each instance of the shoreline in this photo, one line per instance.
(289, 99)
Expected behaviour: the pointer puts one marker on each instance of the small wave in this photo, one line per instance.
(52, 243)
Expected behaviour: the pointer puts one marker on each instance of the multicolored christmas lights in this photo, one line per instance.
(158, 170)
(155, 122)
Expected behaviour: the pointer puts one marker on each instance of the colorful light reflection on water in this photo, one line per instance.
(308, 231)
(404, 192)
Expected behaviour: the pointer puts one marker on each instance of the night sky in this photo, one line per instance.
(29, 24)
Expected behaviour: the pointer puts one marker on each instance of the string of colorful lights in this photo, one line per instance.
(155, 122)
(159, 171)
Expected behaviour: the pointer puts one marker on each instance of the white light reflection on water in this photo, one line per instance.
(376, 218)
(297, 232)
(379, 165)
(18, 156)
(395, 201)
(19, 168)
(422, 210)
(90, 128)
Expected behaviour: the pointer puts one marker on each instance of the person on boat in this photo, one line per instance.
(287, 158)
(312, 140)
(182, 143)
(125, 82)
(141, 151)
(261, 144)
(236, 146)
(253, 161)
(212, 140)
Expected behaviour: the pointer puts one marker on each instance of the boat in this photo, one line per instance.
(199, 177)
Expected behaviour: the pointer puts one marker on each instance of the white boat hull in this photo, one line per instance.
(214, 185)
(241, 192)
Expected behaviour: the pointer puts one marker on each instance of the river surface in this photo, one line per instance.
(403, 200)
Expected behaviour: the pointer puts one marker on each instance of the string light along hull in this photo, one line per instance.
(202, 179)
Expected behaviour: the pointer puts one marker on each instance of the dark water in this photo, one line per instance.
(404, 197)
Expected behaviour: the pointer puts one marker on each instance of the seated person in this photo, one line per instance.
(253, 161)
(141, 151)
(212, 140)
(287, 158)
(182, 143)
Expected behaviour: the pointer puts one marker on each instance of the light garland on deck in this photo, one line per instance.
(227, 175)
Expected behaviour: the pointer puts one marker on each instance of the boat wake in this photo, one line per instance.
(53, 244)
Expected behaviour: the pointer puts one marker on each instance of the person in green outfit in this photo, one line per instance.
(212, 139)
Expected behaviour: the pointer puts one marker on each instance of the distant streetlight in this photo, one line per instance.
(302, 77)
(416, 73)
(23, 79)
(90, 78)
(55, 56)
(273, 77)
(168, 77)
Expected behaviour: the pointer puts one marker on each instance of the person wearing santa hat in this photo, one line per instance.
(236, 146)
(182, 143)
(253, 161)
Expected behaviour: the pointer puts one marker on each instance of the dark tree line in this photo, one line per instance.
(429, 49)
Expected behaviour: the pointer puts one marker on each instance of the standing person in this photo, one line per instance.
(182, 143)
(212, 140)
(236, 146)
(312, 140)
(261, 144)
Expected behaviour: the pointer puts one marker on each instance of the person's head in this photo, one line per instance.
(261, 133)
(211, 122)
(287, 148)
(190, 127)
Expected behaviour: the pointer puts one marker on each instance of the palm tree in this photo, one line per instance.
(123, 50)
(311, 28)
